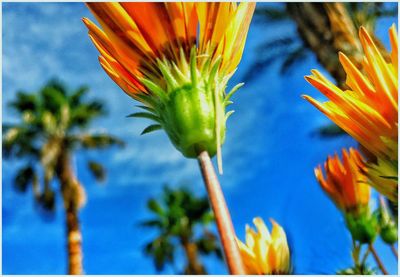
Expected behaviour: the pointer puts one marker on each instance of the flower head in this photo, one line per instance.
(346, 185)
(176, 58)
(265, 253)
(368, 110)
(344, 182)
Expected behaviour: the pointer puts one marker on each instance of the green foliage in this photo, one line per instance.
(24, 177)
(330, 130)
(90, 141)
(47, 200)
(389, 233)
(208, 244)
(51, 126)
(358, 270)
(162, 250)
(363, 227)
(151, 128)
(181, 218)
(272, 14)
(97, 170)
(387, 224)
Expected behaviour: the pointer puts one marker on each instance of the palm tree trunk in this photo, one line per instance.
(74, 242)
(73, 199)
(194, 267)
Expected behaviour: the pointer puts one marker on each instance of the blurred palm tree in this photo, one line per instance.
(181, 220)
(323, 29)
(53, 124)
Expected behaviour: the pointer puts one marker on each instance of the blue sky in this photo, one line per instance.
(269, 156)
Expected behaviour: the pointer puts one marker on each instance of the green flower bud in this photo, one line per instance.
(190, 117)
(389, 233)
(191, 104)
(363, 226)
(388, 226)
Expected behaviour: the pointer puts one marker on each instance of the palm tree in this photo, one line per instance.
(323, 29)
(181, 220)
(51, 128)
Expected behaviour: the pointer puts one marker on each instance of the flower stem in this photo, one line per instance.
(356, 253)
(377, 259)
(394, 250)
(222, 216)
(364, 259)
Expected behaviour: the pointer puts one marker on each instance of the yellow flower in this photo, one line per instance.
(176, 58)
(368, 111)
(382, 176)
(344, 182)
(265, 253)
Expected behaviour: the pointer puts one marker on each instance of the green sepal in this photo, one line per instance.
(233, 90)
(145, 115)
(388, 227)
(151, 128)
(193, 69)
(166, 72)
(214, 70)
(146, 108)
(228, 114)
(362, 225)
(389, 234)
(158, 91)
(147, 99)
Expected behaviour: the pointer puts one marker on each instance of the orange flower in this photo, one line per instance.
(368, 111)
(135, 35)
(265, 253)
(176, 58)
(345, 183)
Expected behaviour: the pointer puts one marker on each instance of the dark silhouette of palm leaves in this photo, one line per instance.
(48, 117)
(52, 126)
(181, 220)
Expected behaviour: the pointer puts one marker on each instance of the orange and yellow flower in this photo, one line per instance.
(176, 58)
(344, 182)
(382, 176)
(265, 253)
(368, 110)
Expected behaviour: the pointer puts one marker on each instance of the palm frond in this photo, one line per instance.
(155, 207)
(329, 131)
(76, 98)
(271, 14)
(24, 102)
(47, 200)
(83, 114)
(24, 178)
(277, 43)
(91, 141)
(294, 57)
(19, 141)
(97, 170)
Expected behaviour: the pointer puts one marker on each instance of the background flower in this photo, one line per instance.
(264, 252)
